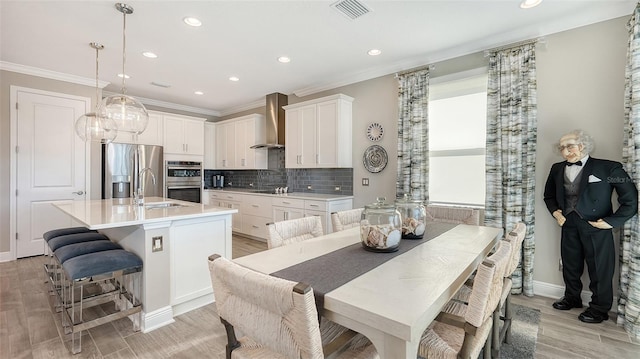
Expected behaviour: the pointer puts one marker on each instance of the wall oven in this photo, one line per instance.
(183, 180)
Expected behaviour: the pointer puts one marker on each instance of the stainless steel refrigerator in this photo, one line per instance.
(125, 165)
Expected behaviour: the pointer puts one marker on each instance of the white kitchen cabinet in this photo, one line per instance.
(319, 133)
(209, 145)
(233, 139)
(229, 200)
(256, 213)
(285, 208)
(225, 150)
(183, 135)
(152, 135)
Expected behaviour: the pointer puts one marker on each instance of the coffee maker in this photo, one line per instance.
(218, 181)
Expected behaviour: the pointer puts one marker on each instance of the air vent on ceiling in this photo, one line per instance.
(160, 84)
(353, 9)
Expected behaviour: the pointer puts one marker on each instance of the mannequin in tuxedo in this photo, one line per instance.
(578, 195)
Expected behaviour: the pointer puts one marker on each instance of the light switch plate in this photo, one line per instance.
(156, 244)
(365, 181)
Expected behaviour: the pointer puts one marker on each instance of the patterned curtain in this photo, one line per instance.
(413, 135)
(629, 286)
(511, 154)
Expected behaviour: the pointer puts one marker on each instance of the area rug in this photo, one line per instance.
(524, 333)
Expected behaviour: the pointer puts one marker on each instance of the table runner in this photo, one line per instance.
(331, 270)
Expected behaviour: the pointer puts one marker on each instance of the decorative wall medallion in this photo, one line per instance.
(375, 131)
(375, 158)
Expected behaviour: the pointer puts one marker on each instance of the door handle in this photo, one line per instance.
(79, 193)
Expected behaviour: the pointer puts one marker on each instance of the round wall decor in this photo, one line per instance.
(375, 158)
(375, 132)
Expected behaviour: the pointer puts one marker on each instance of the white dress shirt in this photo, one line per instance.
(573, 171)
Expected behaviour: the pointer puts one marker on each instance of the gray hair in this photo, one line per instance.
(582, 138)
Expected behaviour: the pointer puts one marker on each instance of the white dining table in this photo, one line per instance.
(396, 301)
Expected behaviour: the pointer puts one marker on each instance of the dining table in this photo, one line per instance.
(390, 298)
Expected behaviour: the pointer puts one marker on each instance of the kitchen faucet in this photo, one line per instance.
(139, 194)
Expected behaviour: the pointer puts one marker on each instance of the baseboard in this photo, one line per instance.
(6, 257)
(156, 319)
(557, 291)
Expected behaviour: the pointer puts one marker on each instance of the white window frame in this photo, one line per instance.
(454, 85)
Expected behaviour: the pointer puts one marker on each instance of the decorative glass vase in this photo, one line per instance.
(380, 227)
(413, 215)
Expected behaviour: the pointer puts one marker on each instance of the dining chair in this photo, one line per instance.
(465, 329)
(450, 214)
(277, 317)
(293, 230)
(342, 220)
(503, 310)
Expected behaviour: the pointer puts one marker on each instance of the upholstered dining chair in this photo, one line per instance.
(503, 310)
(278, 317)
(293, 230)
(451, 214)
(464, 329)
(342, 220)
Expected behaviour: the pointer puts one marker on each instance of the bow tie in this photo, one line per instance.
(579, 163)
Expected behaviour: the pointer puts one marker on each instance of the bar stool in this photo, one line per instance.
(96, 278)
(47, 236)
(52, 268)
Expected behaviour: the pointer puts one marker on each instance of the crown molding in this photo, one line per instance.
(53, 75)
(240, 108)
(170, 105)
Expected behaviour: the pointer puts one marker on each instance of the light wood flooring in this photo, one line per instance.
(29, 328)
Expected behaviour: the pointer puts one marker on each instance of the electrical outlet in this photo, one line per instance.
(337, 188)
(365, 181)
(156, 244)
(309, 187)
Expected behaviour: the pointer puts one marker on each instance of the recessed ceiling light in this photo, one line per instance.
(149, 54)
(125, 76)
(284, 59)
(199, 93)
(374, 52)
(234, 79)
(528, 4)
(192, 21)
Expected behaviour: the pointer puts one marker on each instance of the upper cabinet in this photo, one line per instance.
(152, 135)
(233, 139)
(209, 145)
(318, 133)
(183, 135)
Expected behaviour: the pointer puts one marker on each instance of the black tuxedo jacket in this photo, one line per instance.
(598, 180)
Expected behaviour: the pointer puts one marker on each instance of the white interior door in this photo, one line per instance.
(50, 164)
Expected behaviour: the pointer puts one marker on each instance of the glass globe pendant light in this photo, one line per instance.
(129, 114)
(92, 126)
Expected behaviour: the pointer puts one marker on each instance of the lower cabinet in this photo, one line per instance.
(229, 200)
(255, 211)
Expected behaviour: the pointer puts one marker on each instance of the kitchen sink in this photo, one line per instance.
(156, 205)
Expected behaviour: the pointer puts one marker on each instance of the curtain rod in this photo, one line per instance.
(425, 67)
(541, 40)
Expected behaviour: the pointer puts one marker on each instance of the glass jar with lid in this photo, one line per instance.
(413, 215)
(380, 227)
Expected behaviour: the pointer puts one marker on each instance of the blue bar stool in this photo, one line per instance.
(95, 278)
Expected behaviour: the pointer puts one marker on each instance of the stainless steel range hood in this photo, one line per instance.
(275, 121)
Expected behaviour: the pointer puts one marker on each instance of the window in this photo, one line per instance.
(457, 137)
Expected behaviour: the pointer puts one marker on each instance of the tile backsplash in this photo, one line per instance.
(320, 180)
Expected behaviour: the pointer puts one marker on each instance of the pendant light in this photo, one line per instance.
(129, 114)
(92, 126)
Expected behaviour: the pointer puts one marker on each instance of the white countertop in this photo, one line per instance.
(111, 213)
(299, 195)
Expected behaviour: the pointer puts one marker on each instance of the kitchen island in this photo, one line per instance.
(173, 238)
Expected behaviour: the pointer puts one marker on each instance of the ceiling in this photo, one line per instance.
(245, 38)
